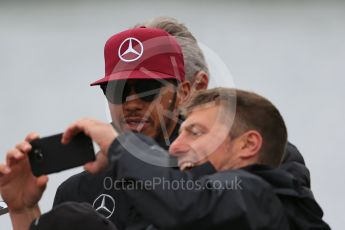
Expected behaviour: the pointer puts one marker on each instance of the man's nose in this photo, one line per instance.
(179, 146)
(133, 102)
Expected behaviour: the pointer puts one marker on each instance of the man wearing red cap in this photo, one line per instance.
(144, 82)
(145, 85)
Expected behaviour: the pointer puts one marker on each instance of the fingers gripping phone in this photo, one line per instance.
(49, 155)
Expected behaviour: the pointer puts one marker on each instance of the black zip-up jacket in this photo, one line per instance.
(258, 197)
(85, 187)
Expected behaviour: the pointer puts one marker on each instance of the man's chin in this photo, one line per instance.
(136, 128)
(145, 130)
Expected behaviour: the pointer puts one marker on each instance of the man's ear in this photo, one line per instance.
(200, 81)
(250, 144)
(183, 92)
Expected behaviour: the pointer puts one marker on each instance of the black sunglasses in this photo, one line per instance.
(147, 90)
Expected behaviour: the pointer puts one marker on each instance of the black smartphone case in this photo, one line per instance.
(49, 155)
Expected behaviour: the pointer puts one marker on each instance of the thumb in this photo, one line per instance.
(42, 181)
(92, 167)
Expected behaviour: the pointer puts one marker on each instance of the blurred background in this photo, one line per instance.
(292, 52)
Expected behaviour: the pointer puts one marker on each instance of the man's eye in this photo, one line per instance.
(195, 132)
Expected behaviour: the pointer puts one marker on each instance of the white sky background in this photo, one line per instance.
(292, 52)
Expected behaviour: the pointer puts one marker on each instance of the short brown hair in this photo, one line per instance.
(250, 111)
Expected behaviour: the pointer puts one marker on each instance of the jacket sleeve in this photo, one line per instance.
(293, 163)
(169, 198)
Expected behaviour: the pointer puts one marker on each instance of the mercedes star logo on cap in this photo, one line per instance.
(130, 54)
(105, 205)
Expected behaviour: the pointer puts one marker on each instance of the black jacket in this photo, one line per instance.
(254, 197)
(293, 163)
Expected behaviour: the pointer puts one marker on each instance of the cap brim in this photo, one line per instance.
(134, 74)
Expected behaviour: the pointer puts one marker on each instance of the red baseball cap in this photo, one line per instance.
(142, 53)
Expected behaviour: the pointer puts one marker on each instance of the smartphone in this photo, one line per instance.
(49, 155)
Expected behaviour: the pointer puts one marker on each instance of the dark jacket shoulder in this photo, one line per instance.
(294, 164)
(299, 203)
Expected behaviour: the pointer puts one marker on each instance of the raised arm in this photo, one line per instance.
(19, 188)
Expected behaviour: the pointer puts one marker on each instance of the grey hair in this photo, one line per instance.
(193, 56)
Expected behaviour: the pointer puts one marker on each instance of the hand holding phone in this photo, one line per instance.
(103, 134)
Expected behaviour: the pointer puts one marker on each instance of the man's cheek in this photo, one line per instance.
(115, 113)
(199, 150)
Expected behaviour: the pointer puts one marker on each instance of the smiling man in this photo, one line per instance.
(230, 129)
